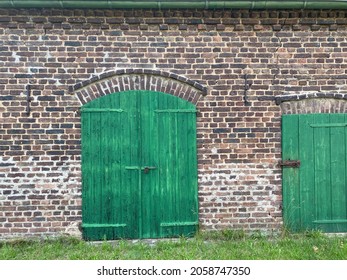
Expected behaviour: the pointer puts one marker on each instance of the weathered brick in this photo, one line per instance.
(294, 61)
(72, 43)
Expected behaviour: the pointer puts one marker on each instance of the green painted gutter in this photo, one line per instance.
(175, 4)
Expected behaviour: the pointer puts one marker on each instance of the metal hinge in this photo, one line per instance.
(289, 163)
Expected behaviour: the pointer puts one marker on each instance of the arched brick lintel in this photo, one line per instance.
(138, 79)
(313, 103)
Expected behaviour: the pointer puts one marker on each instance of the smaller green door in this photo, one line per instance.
(315, 193)
(139, 166)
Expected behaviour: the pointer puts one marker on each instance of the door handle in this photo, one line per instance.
(147, 168)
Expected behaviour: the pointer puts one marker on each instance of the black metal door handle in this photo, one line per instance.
(147, 168)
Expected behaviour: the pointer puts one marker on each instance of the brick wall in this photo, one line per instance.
(289, 57)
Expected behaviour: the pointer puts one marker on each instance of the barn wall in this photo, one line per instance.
(283, 53)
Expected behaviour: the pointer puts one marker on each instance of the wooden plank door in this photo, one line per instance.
(315, 194)
(109, 144)
(174, 153)
(138, 166)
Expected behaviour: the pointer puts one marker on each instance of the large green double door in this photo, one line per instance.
(139, 166)
(315, 191)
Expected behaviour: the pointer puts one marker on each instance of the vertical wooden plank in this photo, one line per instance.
(115, 138)
(307, 175)
(110, 150)
(113, 154)
(104, 184)
(149, 184)
(97, 171)
(291, 194)
(164, 161)
(130, 143)
(123, 182)
(149, 159)
(166, 152)
(102, 187)
(96, 168)
(86, 169)
(168, 167)
(145, 149)
(89, 178)
(175, 163)
(192, 165)
(338, 184)
(182, 188)
(190, 189)
(157, 200)
(322, 168)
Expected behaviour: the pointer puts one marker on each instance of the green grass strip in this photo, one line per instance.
(223, 245)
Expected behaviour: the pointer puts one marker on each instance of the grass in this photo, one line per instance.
(223, 245)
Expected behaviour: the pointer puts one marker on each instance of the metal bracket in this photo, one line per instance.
(28, 99)
(289, 163)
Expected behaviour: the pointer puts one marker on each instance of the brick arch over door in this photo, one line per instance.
(313, 103)
(138, 79)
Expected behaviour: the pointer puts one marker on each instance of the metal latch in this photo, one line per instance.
(147, 168)
(290, 163)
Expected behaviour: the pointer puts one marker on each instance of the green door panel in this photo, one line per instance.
(315, 194)
(139, 166)
(107, 147)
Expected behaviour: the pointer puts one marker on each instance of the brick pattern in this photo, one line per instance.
(59, 52)
(315, 106)
(310, 103)
(138, 79)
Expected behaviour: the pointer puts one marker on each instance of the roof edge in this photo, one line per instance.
(180, 4)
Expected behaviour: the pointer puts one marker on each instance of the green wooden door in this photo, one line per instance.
(315, 194)
(139, 166)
